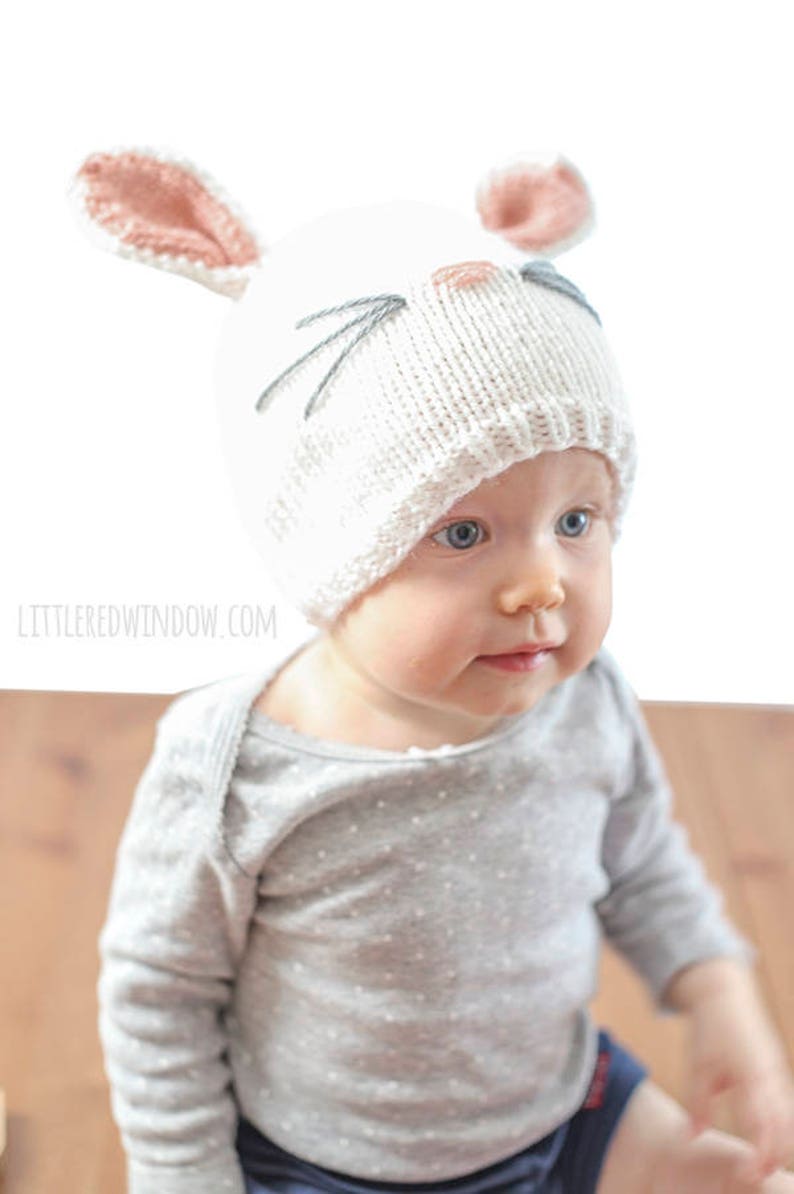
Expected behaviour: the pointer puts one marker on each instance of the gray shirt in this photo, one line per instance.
(383, 959)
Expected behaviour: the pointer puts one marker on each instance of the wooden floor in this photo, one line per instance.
(68, 766)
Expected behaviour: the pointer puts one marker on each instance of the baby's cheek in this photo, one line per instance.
(594, 617)
(422, 657)
(425, 623)
(603, 594)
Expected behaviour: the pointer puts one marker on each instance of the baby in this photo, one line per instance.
(357, 907)
(428, 655)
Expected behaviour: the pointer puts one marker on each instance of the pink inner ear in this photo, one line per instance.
(535, 208)
(160, 206)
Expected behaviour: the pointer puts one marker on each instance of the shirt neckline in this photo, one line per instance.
(263, 726)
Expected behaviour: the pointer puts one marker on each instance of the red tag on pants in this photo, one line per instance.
(595, 1095)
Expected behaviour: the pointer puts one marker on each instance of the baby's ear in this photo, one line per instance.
(149, 206)
(540, 205)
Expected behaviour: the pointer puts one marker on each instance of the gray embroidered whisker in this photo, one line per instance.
(315, 348)
(375, 298)
(544, 273)
(370, 319)
(375, 319)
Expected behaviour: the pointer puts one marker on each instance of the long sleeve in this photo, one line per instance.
(661, 912)
(175, 929)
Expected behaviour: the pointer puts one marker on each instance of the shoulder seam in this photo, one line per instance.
(213, 717)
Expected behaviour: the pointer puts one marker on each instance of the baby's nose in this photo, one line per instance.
(462, 274)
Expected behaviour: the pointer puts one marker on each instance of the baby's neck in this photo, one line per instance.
(319, 694)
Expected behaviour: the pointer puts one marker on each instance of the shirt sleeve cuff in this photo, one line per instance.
(224, 1176)
(666, 964)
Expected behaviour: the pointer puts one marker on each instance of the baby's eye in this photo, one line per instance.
(572, 525)
(461, 534)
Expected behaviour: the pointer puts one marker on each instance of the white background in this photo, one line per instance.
(677, 114)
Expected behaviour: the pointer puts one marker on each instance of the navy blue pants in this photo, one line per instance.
(567, 1161)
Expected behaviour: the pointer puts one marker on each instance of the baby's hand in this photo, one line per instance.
(735, 1050)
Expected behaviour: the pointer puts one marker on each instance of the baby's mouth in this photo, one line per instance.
(525, 659)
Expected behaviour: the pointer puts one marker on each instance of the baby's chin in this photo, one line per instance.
(496, 691)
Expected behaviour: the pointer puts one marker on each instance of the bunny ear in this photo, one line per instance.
(149, 206)
(541, 204)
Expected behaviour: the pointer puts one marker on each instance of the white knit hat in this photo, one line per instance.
(382, 361)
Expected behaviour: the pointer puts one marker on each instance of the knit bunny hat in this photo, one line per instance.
(382, 361)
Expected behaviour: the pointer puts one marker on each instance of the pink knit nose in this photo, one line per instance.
(462, 273)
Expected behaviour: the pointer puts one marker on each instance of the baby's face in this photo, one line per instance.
(524, 557)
